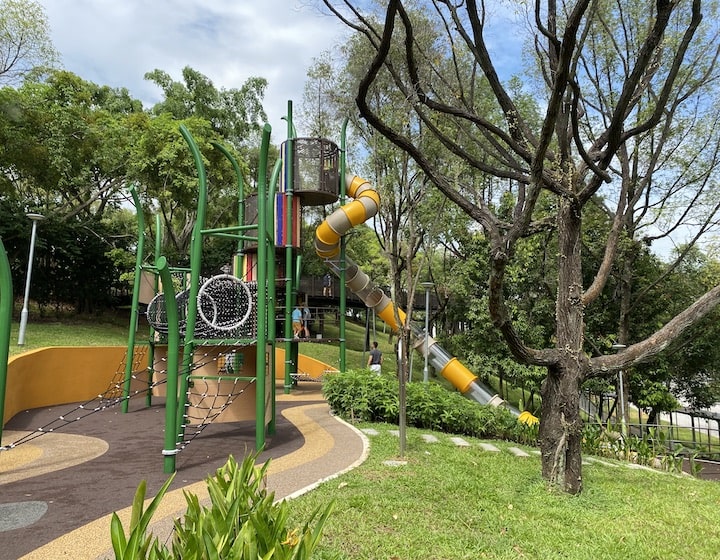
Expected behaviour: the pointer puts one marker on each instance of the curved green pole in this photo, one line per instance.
(261, 372)
(241, 196)
(6, 305)
(171, 402)
(343, 289)
(195, 261)
(271, 274)
(130, 354)
(290, 346)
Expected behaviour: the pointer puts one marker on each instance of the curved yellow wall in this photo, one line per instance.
(70, 374)
(307, 366)
(59, 375)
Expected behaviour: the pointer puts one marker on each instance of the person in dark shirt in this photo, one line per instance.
(375, 359)
(327, 285)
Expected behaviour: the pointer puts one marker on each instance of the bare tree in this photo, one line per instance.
(614, 78)
(24, 39)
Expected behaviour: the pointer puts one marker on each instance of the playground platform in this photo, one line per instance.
(58, 492)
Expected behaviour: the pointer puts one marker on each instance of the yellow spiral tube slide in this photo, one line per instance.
(365, 204)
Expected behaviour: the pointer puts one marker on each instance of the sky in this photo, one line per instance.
(115, 42)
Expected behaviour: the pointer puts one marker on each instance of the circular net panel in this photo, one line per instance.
(157, 315)
(157, 312)
(225, 303)
(226, 309)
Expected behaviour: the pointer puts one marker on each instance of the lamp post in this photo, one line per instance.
(427, 286)
(621, 393)
(24, 313)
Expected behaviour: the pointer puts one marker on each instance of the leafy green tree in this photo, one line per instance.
(162, 162)
(66, 144)
(65, 147)
(318, 113)
(235, 115)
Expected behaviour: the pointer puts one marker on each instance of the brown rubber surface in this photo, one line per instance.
(57, 492)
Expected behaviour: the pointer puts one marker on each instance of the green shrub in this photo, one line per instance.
(242, 523)
(365, 397)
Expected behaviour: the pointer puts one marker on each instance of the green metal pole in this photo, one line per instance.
(195, 262)
(130, 354)
(262, 281)
(241, 198)
(156, 285)
(261, 361)
(289, 280)
(343, 288)
(171, 401)
(271, 274)
(6, 305)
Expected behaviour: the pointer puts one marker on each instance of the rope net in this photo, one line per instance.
(207, 396)
(225, 309)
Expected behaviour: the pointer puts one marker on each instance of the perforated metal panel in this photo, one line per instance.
(316, 176)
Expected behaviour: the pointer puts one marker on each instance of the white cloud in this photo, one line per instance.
(115, 43)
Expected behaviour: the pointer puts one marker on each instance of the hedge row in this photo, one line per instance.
(362, 396)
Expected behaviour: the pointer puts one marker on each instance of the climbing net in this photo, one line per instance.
(225, 304)
(207, 396)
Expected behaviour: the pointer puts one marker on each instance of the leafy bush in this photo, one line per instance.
(242, 523)
(366, 397)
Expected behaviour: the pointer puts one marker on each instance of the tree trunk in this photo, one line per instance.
(561, 427)
(561, 430)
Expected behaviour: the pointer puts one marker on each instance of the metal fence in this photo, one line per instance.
(695, 430)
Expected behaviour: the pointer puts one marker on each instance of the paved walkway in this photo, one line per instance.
(58, 492)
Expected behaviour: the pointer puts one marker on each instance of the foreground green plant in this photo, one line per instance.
(137, 544)
(243, 522)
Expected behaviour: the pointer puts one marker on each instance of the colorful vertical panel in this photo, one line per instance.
(281, 237)
(249, 267)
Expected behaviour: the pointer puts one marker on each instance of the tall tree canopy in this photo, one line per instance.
(163, 163)
(235, 114)
(627, 89)
(71, 149)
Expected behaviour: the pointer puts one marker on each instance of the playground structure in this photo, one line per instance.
(217, 336)
(212, 354)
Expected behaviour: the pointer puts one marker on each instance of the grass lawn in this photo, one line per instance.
(100, 331)
(449, 502)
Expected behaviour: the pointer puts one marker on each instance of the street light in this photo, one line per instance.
(621, 393)
(427, 286)
(24, 313)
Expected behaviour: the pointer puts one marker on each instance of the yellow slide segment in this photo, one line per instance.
(365, 204)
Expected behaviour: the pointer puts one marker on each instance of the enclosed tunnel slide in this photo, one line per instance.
(365, 205)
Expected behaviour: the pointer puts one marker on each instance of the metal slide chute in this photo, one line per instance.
(365, 204)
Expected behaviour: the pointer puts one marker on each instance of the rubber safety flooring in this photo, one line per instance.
(58, 491)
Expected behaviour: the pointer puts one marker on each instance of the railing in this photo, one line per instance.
(697, 431)
(311, 287)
